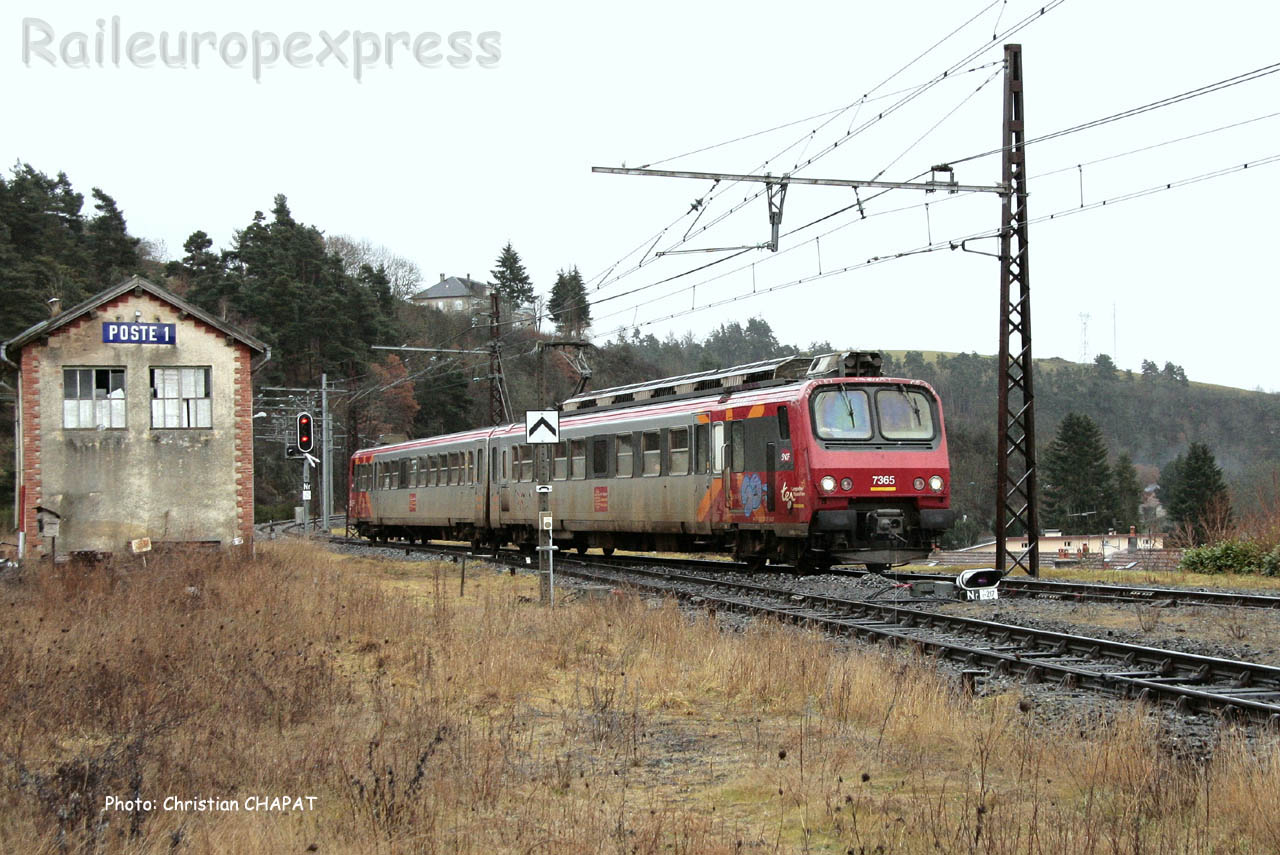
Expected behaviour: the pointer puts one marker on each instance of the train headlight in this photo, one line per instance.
(918, 484)
(828, 484)
(846, 484)
(935, 483)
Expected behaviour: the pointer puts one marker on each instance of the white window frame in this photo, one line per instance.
(187, 402)
(91, 411)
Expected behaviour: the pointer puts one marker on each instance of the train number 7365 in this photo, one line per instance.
(882, 480)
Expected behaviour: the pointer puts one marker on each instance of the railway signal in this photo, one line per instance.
(305, 439)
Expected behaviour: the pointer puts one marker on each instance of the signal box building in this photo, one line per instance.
(134, 423)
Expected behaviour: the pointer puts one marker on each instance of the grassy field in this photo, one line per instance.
(424, 719)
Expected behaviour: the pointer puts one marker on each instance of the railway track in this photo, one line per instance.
(1010, 586)
(1189, 683)
(1044, 589)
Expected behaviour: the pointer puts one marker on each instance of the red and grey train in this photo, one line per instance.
(799, 461)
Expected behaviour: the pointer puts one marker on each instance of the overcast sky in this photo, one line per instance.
(495, 138)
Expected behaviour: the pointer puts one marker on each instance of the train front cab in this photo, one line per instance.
(877, 459)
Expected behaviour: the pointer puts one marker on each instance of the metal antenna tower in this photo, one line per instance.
(1016, 492)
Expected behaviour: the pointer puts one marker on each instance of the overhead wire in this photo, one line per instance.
(911, 93)
(1207, 89)
(834, 114)
(955, 242)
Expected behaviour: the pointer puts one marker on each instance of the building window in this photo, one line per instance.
(180, 398)
(93, 398)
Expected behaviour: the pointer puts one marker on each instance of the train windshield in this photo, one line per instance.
(845, 413)
(904, 414)
(841, 412)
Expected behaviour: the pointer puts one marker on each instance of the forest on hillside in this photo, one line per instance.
(296, 288)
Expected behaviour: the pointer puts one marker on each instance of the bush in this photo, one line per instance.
(272, 513)
(1271, 562)
(1232, 556)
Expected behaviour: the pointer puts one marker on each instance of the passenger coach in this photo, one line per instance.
(797, 461)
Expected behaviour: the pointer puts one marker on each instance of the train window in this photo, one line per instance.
(480, 466)
(578, 455)
(904, 414)
(652, 452)
(738, 439)
(451, 469)
(404, 473)
(717, 447)
(784, 424)
(599, 457)
(471, 467)
(504, 464)
(562, 461)
(433, 470)
(678, 441)
(526, 464)
(701, 459)
(841, 413)
(413, 472)
(622, 460)
(493, 463)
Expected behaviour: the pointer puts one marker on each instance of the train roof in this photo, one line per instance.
(753, 375)
(753, 383)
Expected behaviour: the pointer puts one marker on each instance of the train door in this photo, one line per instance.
(734, 464)
(480, 505)
(505, 461)
(492, 516)
(703, 476)
(719, 467)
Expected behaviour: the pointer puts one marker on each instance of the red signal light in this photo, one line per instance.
(306, 441)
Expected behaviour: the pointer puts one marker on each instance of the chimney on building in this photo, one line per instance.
(55, 306)
(441, 277)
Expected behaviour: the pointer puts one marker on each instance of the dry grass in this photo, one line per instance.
(426, 721)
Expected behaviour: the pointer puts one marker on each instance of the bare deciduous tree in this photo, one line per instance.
(404, 275)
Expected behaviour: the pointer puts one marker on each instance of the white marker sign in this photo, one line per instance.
(542, 426)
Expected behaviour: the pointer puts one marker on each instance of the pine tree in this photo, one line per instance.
(205, 272)
(510, 279)
(1078, 488)
(115, 253)
(568, 305)
(1127, 492)
(1199, 494)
